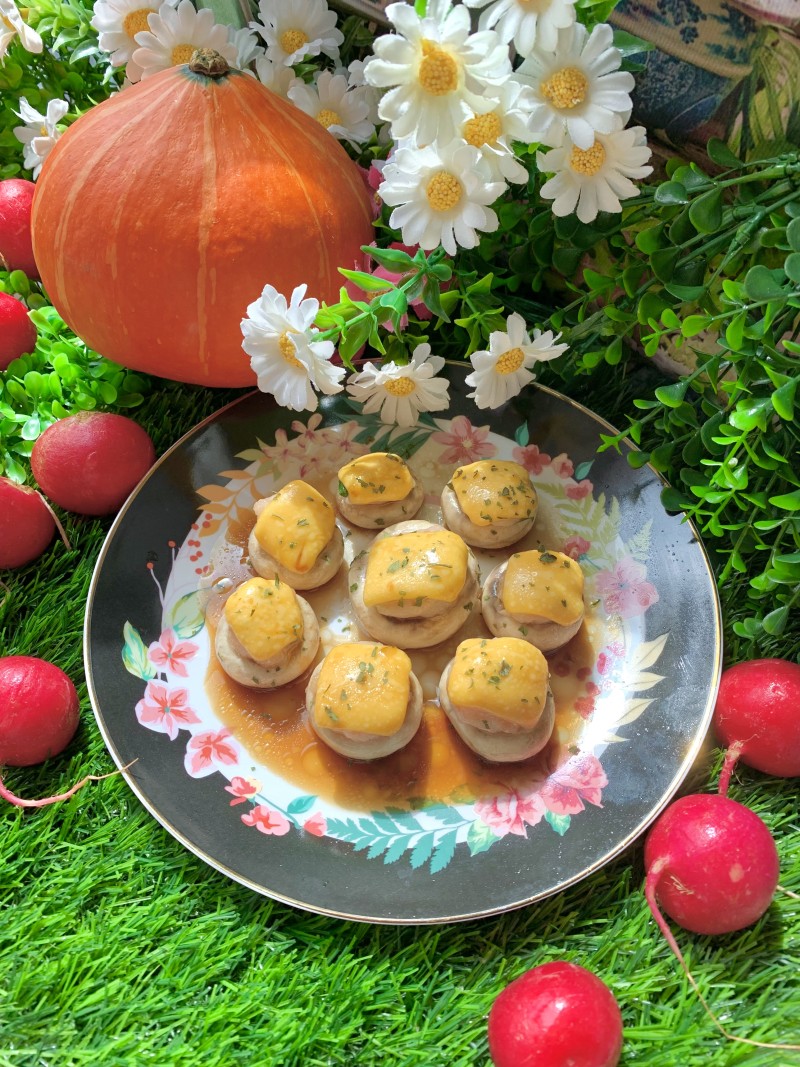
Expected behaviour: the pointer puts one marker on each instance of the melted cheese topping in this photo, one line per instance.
(378, 478)
(414, 567)
(265, 615)
(504, 676)
(494, 490)
(295, 526)
(363, 688)
(549, 584)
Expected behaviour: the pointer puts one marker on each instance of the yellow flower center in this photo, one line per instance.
(566, 88)
(286, 345)
(328, 118)
(588, 161)
(444, 191)
(136, 21)
(43, 131)
(182, 53)
(510, 361)
(438, 71)
(400, 386)
(292, 40)
(539, 6)
(483, 129)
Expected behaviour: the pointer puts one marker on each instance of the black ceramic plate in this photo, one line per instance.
(431, 834)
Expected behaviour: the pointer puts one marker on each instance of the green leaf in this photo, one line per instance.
(522, 435)
(560, 823)
(354, 337)
(368, 282)
(783, 399)
(734, 331)
(300, 805)
(705, 213)
(787, 501)
(394, 259)
(480, 838)
(134, 655)
(671, 396)
(671, 193)
(792, 266)
(694, 324)
(793, 234)
(775, 622)
(649, 240)
(760, 283)
(186, 617)
(582, 470)
(663, 263)
(719, 153)
(751, 413)
(444, 851)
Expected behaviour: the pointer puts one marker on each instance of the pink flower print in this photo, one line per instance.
(562, 465)
(267, 820)
(580, 779)
(465, 443)
(575, 547)
(242, 789)
(285, 450)
(509, 814)
(308, 433)
(165, 710)
(531, 458)
(169, 654)
(578, 490)
(316, 824)
(205, 751)
(585, 705)
(344, 440)
(625, 590)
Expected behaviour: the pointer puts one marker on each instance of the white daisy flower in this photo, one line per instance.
(579, 88)
(526, 22)
(507, 367)
(248, 50)
(40, 132)
(294, 29)
(356, 80)
(175, 34)
(439, 72)
(341, 110)
(440, 196)
(12, 25)
(287, 361)
(401, 392)
(597, 178)
(117, 23)
(492, 133)
(275, 76)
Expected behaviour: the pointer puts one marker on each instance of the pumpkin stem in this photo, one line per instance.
(209, 62)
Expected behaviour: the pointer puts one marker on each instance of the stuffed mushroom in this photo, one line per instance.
(377, 490)
(296, 538)
(537, 596)
(490, 503)
(496, 694)
(267, 635)
(364, 701)
(416, 585)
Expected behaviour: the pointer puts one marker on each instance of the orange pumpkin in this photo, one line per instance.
(164, 211)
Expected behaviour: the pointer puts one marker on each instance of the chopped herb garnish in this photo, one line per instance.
(523, 630)
(505, 668)
(342, 489)
(547, 557)
(353, 587)
(302, 522)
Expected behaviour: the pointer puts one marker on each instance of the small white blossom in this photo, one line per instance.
(342, 111)
(295, 29)
(275, 76)
(507, 367)
(578, 89)
(40, 132)
(12, 25)
(492, 133)
(117, 23)
(400, 392)
(595, 179)
(527, 23)
(175, 34)
(440, 196)
(437, 72)
(248, 50)
(287, 361)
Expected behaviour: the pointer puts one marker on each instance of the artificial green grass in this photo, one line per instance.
(119, 947)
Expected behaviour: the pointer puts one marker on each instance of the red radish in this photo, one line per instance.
(16, 249)
(90, 462)
(26, 525)
(757, 718)
(39, 711)
(712, 865)
(17, 332)
(555, 1015)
